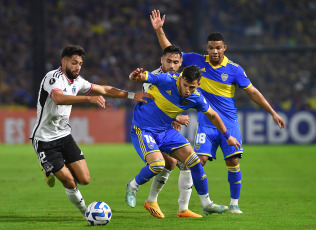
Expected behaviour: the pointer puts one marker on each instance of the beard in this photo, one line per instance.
(70, 75)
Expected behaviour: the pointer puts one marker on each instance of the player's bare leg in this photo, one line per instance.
(80, 171)
(159, 181)
(73, 193)
(234, 178)
(187, 156)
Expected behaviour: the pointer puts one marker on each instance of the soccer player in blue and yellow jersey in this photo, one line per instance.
(152, 132)
(218, 83)
(170, 62)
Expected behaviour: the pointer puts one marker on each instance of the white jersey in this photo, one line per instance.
(53, 120)
(156, 72)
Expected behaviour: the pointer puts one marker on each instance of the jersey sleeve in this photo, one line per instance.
(241, 78)
(155, 79)
(85, 86)
(191, 59)
(202, 105)
(52, 84)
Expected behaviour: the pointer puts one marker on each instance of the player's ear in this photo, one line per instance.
(63, 61)
(161, 60)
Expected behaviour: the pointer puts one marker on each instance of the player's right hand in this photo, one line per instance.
(99, 100)
(233, 142)
(155, 19)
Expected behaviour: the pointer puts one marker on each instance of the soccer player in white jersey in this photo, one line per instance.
(220, 77)
(171, 62)
(51, 138)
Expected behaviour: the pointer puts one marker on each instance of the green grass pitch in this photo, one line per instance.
(278, 191)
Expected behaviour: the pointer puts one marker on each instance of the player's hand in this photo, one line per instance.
(183, 120)
(278, 119)
(176, 125)
(233, 142)
(140, 97)
(99, 100)
(156, 21)
(136, 75)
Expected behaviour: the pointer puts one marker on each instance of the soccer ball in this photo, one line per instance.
(98, 213)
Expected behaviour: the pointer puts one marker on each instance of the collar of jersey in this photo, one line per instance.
(71, 81)
(224, 62)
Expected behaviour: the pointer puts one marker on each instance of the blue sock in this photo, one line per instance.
(144, 175)
(199, 179)
(234, 179)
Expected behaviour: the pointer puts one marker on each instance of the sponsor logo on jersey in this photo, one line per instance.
(224, 76)
(52, 81)
(168, 92)
(151, 145)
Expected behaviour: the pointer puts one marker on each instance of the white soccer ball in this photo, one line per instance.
(98, 213)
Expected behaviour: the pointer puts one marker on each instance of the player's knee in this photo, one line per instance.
(232, 161)
(157, 166)
(203, 159)
(85, 180)
(170, 163)
(192, 160)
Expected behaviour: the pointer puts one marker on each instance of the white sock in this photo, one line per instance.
(76, 198)
(185, 184)
(234, 202)
(134, 184)
(205, 200)
(158, 183)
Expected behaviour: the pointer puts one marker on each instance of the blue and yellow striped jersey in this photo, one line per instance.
(157, 114)
(218, 85)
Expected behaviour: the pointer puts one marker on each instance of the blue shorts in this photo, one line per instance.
(146, 142)
(207, 140)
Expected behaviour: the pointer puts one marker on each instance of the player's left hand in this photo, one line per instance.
(278, 119)
(233, 142)
(139, 97)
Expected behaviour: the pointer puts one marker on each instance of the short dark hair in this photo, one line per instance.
(172, 49)
(192, 73)
(215, 36)
(70, 50)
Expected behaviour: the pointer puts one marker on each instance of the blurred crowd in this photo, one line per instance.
(118, 37)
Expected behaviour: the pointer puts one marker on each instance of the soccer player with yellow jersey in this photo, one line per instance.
(170, 62)
(220, 77)
(152, 132)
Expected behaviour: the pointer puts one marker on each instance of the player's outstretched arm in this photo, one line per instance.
(61, 99)
(257, 97)
(157, 23)
(217, 121)
(110, 91)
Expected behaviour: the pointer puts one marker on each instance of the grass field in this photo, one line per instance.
(278, 191)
